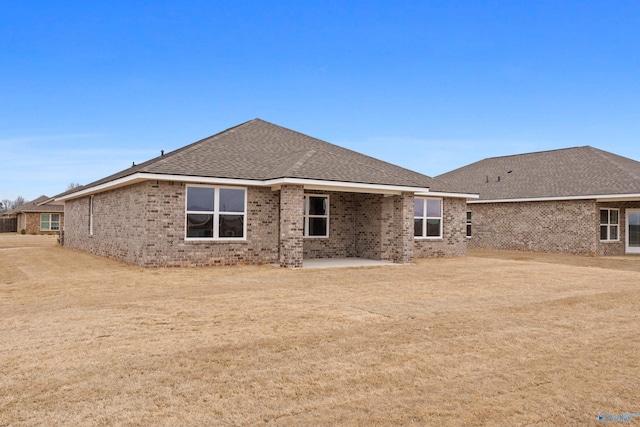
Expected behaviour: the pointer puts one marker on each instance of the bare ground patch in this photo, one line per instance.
(481, 340)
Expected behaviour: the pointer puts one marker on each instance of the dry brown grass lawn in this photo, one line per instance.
(490, 339)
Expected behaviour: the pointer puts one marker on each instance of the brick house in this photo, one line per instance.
(578, 200)
(260, 193)
(40, 216)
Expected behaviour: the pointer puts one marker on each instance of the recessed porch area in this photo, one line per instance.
(328, 228)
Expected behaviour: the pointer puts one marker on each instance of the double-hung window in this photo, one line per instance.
(316, 215)
(427, 218)
(49, 222)
(468, 223)
(609, 224)
(215, 213)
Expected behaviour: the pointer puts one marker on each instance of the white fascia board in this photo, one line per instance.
(142, 176)
(618, 198)
(354, 187)
(599, 198)
(121, 182)
(452, 195)
(310, 184)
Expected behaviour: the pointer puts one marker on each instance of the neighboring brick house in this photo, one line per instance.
(40, 216)
(259, 193)
(577, 200)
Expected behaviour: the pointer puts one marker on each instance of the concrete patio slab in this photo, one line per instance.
(344, 262)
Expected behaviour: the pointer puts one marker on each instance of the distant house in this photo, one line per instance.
(578, 200)
(40, 216)
(261, 193)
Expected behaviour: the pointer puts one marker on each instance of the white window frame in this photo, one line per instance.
(469, 223)
(307, 215)
(49, 222)
(216, 215)
(609, 225)
(425, 217)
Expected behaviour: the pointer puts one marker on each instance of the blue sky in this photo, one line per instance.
(87, 88)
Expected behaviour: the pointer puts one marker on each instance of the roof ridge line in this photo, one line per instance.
(163, 157)
(534, 152)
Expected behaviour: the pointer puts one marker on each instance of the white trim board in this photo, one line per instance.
(597, 198)
(309, 184)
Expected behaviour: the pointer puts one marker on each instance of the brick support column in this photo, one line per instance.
(404, 221)
(291, 226)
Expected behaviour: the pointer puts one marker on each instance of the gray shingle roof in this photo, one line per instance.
(259, 150)
(570, 172)
(33, 206)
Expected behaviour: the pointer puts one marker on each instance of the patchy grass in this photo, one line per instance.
(490, 339)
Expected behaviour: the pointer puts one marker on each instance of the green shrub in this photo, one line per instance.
(23, 231)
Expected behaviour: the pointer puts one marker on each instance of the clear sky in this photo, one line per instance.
(88, 87)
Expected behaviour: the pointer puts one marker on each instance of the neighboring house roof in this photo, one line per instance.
(580, 172)
(261, 151)
(36, 206)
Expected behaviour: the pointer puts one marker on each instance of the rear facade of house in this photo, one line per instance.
(259, 193)
(579, 200)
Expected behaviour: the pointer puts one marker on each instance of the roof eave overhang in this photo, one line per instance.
(596, 197)
(445, 194)
(352, 187)
(47, 201)
(309, 184)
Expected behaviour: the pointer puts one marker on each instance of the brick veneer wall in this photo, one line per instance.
(384, 227)
(291, 226)
(454, 229)
(118, 224)
(367, 225)
(32, 220)
(165, 230)
(397, 242)
(568, 226)
(144, 224)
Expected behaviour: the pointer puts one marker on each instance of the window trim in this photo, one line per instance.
(216, 214)
(49, 221)
(608, 225)
(307, 215)
(425, 217)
